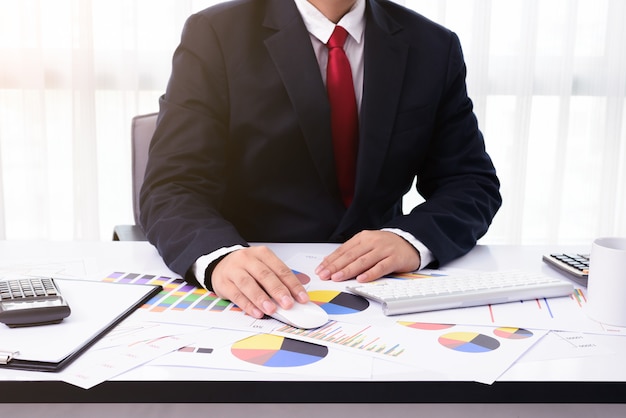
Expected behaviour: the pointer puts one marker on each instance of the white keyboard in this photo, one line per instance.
(399, 296)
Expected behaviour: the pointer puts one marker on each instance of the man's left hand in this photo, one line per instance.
(368, 256)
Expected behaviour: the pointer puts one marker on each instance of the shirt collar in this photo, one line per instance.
(319, 26)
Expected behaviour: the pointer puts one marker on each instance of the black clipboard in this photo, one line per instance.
(97, 307)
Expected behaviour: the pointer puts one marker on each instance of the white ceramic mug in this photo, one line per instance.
(606, 287)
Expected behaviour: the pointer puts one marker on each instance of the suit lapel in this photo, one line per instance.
(384, 67)
(290, 49)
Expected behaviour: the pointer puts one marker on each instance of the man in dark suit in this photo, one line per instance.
(243, 149)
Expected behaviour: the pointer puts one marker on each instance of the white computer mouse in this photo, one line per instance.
(302, 315)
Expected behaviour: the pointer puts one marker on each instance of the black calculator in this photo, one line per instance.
(31, 301)
(576, 265)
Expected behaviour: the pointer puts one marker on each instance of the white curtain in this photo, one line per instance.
(72, 75)
(548, 80)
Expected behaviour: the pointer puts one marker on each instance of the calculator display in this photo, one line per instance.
(10, 306)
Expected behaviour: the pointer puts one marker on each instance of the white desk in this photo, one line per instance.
(578, 380)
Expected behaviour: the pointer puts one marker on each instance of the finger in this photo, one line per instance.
(377, 271)
(369, 256)
(344, 255)
(293, 284)
(228, 290)
(399, 257)
(236, 278)
(279, 281)
(275, 283)
(257, 280)
(353, 267)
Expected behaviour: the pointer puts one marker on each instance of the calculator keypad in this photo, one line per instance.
(23, 289)
(579, 262)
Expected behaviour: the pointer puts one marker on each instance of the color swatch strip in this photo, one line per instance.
(177, 295)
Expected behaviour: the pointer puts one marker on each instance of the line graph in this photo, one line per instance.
(349, 336)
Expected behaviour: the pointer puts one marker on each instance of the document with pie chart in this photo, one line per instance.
(267, 354)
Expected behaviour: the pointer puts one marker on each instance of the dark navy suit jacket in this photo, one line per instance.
(242, 150)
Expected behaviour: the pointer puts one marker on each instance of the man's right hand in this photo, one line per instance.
(251, 277)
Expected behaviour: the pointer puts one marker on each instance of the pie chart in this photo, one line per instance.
(335, 302)
(276, 351)
(425, 325)
(512, 333)
(304, 278)
(469, 342)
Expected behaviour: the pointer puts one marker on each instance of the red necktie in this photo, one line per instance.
(344, 116)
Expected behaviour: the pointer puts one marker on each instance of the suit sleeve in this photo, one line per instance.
(457, 179)
(187, 168)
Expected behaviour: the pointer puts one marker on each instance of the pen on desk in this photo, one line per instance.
(7, 355)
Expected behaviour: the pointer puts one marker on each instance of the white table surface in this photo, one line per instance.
(105, 257)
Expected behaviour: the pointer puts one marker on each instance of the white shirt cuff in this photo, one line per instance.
(201, 264)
